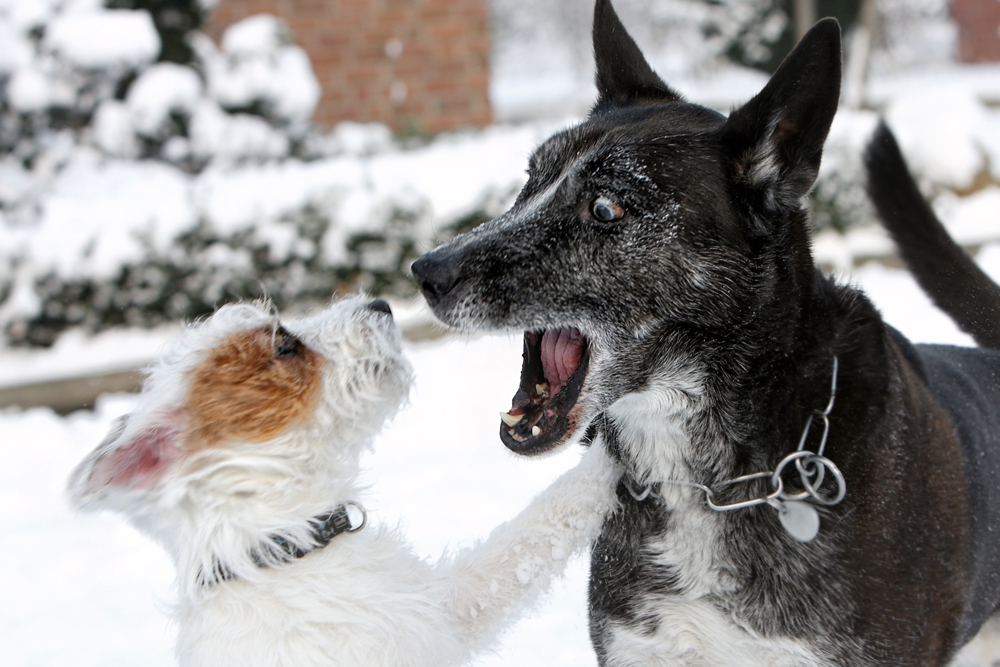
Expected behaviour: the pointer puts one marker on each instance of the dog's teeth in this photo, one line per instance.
(509, 419)
(536, 430)
(542, 389)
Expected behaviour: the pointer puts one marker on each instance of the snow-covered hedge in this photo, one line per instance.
(140, 183)
(135, 191)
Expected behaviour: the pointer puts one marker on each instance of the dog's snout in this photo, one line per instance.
(380, 306)
(436, 274)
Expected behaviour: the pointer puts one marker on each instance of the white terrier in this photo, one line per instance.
(241, 459)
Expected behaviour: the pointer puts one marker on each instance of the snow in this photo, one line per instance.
(296, 91)
(15, 50)
(26, 16)
(257, 65)
(110, 211)
(104, 39)
(444, 476)
(233, 137)
(937, 130)
(29, 90)
(258, 35)
(76, 354)
(160, 90)
(83, 207)
(113, 130)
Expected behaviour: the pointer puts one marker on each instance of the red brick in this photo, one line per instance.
(978, 22)
(445, 60)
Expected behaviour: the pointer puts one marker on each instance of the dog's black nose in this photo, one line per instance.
(436, 274)
(381, 306)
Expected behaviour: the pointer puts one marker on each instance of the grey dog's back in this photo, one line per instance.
(965, 381)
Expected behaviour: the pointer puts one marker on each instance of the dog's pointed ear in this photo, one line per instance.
(776, 139)
(624, 78)
(128, 458)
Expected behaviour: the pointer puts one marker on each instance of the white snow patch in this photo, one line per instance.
(972, 220)
(15, 184)
(15, 50)
(109, 211)
(113, 130)
(233, 137)
(937, 131)
(258, 35)
(104, 39)
(162, 89)
(296, 92)
(77, 354)
(29, 90)
(26, 16)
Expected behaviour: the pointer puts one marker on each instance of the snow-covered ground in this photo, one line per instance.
(90, 591)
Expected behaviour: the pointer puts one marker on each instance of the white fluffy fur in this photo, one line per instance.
(365, 599)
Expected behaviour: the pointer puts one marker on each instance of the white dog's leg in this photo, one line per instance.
(494, 581)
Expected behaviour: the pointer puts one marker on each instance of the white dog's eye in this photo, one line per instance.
(286, 345)
(606, 210)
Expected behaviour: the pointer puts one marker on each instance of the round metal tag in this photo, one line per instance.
(800, 519)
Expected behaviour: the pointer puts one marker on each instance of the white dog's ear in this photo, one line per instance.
(130, 458)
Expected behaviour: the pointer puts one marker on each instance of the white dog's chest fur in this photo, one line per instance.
(362, 594)
(690, 631)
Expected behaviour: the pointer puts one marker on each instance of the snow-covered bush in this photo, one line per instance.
(140, 183)
(839, 200)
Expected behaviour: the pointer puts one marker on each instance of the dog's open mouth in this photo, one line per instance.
(552, 373)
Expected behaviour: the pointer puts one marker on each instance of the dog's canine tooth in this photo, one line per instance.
(536, 430)
(542, 389)
(509, 419)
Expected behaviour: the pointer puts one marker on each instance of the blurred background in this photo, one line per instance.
(159, 158)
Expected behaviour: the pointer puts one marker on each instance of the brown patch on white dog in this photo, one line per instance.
(251, 387)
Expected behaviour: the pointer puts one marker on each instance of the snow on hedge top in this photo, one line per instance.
(104, 39)
(161, 90)
(259, 35)
(97, 216)
(15, 50)
(257, 66)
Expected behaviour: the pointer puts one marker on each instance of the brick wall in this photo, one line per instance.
(416, 65)
(978, 22)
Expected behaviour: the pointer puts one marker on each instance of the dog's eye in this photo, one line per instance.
(286, 345)
(606, 210)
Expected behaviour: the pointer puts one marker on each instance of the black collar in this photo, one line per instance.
(280, 550)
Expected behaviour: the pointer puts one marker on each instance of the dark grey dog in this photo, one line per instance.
(802, 486)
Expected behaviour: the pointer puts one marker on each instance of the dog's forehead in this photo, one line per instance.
(610, 132)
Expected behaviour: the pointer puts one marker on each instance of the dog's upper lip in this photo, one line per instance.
(555, 363)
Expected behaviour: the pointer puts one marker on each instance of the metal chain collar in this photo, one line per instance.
(812, 467)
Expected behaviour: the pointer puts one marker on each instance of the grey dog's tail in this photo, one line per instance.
(945, 272)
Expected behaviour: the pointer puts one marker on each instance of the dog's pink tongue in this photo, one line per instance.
(561, 352)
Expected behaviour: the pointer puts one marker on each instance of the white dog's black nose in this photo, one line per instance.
(436, 275)
(381, 306)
